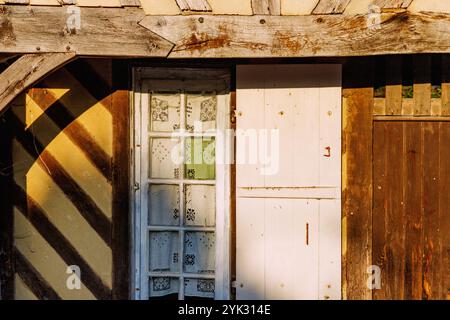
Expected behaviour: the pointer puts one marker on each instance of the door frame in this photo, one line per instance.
(223, 172)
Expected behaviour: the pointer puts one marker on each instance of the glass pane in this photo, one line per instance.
(164, 206)
(200, 205)
(164, 112)
(164, 286)
(200, 288)
(164, 158)
(199, 252)
(164, 252)
(201, 110)
(200, 159)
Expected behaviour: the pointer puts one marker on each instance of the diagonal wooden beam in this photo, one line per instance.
(331, 6)
(26, 71)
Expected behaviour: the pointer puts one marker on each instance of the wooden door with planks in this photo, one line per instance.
(288, 200)
(411, 177)
(411, 213)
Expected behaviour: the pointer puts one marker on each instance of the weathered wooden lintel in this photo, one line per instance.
(27, 70)
(302, 36)
(110, 32)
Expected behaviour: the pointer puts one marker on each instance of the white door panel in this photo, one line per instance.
(289, 222)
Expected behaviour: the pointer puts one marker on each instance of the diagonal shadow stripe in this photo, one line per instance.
(33, 279)
(77, 133)
(88, 77)
(35, 215)
(79, 198)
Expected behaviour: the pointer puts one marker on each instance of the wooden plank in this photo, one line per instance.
(102, 32)
(301, 36)
(432, 272)
(445, 110)
(266, 7)
(422, 85)
(33, 280)
(6, 213)
(394, 85)
(395, 214)
(444, 208)
(392, 4)
(331, 6)
(120, 105)
(194, 5)
(412, 190)
(26, 71)
(380, 186)
(357, 177)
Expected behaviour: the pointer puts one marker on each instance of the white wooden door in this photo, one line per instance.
(288, 200)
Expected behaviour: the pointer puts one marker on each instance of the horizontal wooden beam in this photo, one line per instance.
(27, 70)
(302, 36)
(84, 31)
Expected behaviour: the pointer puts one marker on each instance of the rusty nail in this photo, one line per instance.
(68, 48)
(281, 113)
(201, 19)
(262, 21)
(38, 48)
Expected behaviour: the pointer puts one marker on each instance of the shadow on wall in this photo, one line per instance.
(61, 133)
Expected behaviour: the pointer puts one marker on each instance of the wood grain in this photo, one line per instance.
(357, 178)
(331, 6)
(103, 32)
(27, 70)
(266, 7)
(301, 36)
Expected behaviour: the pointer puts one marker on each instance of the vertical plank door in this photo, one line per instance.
(288, 182)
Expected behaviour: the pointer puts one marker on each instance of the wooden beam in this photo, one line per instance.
(301, 36)
(262, 7)
(6, 213)
(84, 31)
(331, 6)
(26, 71)
(357, 182)
(121, 212)
(194, 5)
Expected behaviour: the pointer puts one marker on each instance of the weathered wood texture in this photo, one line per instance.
(357, 178)
(194, 5)
(301, 36)
(27, 70)
(411, 217)
(331, 6)
(6, 213)
(120, 110)
(100, 32)
(266, 7)
(392, 4)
